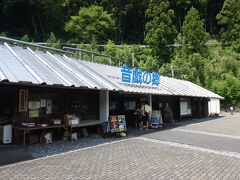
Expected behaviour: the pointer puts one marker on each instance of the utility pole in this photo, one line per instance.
(172, 71)
(80, 55)
(133, 59)
(110, 61)
(92, 57)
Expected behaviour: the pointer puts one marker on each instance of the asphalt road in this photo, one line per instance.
(198, 139)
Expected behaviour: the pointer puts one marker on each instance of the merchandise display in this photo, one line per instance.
(28, 124)
(56, 121)
(71, 119)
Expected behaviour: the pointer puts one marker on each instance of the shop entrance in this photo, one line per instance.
(125, 104)
(169, 107)
(199, 107)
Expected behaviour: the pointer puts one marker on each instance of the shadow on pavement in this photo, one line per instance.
(195, 121)
(12, 154)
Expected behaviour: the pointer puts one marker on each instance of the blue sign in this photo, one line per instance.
(137, 76)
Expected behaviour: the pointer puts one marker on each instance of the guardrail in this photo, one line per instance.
(92, 53)
(2, 38)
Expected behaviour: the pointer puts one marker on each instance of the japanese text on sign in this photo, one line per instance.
(137, 76)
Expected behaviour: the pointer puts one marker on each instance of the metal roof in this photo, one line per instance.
(18, 64)
(167, 86)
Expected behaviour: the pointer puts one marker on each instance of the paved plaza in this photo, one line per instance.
(229, 125)
(193, 150)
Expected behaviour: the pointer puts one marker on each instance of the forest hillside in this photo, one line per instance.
(196, 40)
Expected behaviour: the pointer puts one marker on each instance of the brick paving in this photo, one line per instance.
(129, 159)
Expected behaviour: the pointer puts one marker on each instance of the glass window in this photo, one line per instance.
(84, 104)
(130, 105)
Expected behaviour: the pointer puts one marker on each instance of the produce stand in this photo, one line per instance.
(84, 124)
(27, 130)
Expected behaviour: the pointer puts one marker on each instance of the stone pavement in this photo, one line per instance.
(179, 153)
(131, 159)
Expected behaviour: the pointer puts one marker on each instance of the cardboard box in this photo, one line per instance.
(71, 119)
(66, 135)
(74, 136)
(74, 121)
(48, 138)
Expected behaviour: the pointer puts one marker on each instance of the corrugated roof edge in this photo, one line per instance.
(220, 97)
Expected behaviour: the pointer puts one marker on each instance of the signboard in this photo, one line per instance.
(122, 127)
(23, 100)
(118, 124)
(130, 105)
(49, 107)
(185, 108)
(113, 124)
(156, 117)
(137, 76)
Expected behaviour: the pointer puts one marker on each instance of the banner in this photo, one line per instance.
(23, 100)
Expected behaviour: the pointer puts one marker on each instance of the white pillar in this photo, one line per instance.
(103, 105)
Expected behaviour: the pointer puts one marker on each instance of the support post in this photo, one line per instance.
(150, 104)
(103, 105)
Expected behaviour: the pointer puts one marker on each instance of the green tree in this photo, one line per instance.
(194, 36)
(91, 23)
(25, 38)
(181, 7)
(224, 79)
(160, 31)
(52, 41)
(229, 88)
(189, 67)
(190, 58)
(229, 19)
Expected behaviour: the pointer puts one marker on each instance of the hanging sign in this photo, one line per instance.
(43, 102)
(23, 100)
(34, 113)
(137, 76)
(49, 107)
(33, 105)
